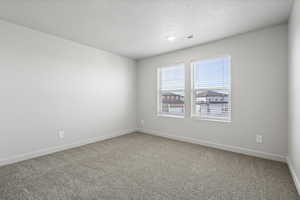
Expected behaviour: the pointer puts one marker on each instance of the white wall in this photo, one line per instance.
(47, 84)
(259, 94)
(294, 93)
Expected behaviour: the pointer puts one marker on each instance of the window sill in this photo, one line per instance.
(171, 116)
(211, 119)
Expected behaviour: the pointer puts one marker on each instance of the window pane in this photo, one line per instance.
(171, 90)
(172, 102)
(172, 78)
(211, 89)
(212, 103)
(212, 73)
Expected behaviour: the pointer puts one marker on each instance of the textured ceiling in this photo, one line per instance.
(138, 28)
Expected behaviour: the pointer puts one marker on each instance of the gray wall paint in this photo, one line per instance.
(48, 84)
(294, 89)
(259, 92)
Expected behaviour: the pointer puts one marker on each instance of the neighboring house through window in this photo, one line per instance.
(171, 85)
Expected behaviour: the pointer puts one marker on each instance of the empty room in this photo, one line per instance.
(150, 100)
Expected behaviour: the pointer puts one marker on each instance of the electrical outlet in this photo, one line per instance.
(259, 139)
(61, 134)
(142, 123)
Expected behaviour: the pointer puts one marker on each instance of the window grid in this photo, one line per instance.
(210, 94)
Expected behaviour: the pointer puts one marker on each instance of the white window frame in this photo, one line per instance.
(161, 114)
(216, 119)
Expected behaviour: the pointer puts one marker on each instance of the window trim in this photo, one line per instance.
(212, 119)
(158, 113)
(171, 116)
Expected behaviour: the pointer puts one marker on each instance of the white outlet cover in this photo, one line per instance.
(259, 139)
(142, 122)
(61, 134)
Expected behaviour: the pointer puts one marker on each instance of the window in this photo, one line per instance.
(211, 89)
(171, 90)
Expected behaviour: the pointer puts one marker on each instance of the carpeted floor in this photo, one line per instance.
(139, 167)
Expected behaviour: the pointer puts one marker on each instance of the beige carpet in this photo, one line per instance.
(139, 167)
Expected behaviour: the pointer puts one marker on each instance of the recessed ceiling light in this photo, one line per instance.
(171, 38)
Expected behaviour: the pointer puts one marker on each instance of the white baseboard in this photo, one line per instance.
(235, 149)
(294, 175)
(54, 149)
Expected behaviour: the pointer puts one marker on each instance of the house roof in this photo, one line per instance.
(210, 93)
(170, 94)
